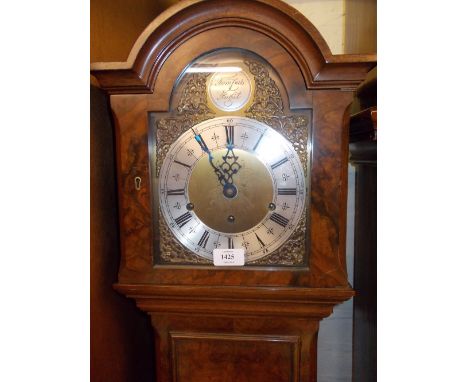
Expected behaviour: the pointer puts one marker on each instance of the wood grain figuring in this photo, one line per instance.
(329, 189)
(234, 358)
(249, 348)
(132, 161)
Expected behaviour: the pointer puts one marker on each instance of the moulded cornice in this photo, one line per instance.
(258, 301)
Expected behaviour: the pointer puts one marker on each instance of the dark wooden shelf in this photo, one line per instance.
(363, 125)
(363, 155)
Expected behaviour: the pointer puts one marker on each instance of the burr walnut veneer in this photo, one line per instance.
(251, 323)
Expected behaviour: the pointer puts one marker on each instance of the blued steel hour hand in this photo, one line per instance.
(228, 168)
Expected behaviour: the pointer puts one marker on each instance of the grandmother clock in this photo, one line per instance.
(232, 150)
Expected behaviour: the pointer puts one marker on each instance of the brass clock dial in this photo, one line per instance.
(232, 182)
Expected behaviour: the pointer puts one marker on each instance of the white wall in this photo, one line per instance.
(328, 16)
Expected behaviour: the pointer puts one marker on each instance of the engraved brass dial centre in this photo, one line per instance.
(254, 193)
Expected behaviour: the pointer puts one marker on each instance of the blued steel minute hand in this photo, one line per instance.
(204, 147)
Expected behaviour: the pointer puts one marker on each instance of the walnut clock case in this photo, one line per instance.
(231, 123)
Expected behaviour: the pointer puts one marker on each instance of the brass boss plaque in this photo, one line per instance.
(230, 91)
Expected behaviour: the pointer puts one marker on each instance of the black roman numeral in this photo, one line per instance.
(230, 243)
(229, 135)
(260, 241)
(183, 219)
(279, 219)
(279, 163)
(180, 191)
(287, 191)
(204, 239)
(182, 164)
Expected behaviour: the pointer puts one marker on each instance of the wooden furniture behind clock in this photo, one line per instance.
(363, 156)
(231, 123)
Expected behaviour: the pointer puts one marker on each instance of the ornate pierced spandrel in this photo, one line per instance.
(267, 107)
(291, 253)
(192, 109)
(171, 252)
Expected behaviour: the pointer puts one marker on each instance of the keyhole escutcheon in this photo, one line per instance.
(137, 183)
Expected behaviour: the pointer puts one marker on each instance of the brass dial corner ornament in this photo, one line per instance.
(268, 108)
(192, 109)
